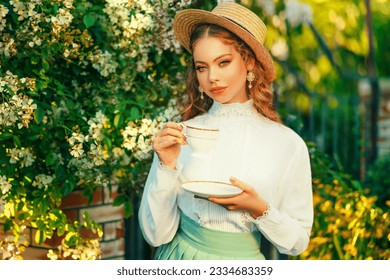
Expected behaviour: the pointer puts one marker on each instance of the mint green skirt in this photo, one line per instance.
(194, 242)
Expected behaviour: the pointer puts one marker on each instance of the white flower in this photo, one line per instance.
(280, 49)
(26, 111)
(97, 154)
(139, 135)
(24, 156)
(3, 11)
(51, 255)
(61, 21)
(268, 6)
(104, 63)
(68, 3)
(77, 150)
(19, 8)
(15, 155)
(60, 111)
(118, 152)
(76, 137)
(5, 186)
(96, 125)
(140, 24)
(19, 107)
(42, 181)
(298, 13)
(2, 203)
(8, 48)
(225, 1)
(27, 158)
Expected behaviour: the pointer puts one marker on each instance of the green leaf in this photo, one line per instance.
(45, 65)
(55, 7)
(89, 20)
(51, 159)
(39, 114)
(23, 216)
(40, 236)
(135, 113)
(61, 175)
(60, 231)
(118, 120)
(17, 141)
(66, 188)
(164, 92)
(128, 208)
(33, 137)
(44, 205)
(41, 225)
(7, 225)
(119, 200)
(86, 216)
(108, 142)
(35, 60)
(41, 84)
(20, 205)
(6, 135)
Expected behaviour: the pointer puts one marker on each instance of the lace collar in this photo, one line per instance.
(245, 109)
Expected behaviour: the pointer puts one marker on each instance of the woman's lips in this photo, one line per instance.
(217, 90)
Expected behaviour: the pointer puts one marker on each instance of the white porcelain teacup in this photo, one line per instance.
(200, 138)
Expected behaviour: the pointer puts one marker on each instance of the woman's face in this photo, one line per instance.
(221, 71)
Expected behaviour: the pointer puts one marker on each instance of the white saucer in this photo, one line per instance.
(209, 188)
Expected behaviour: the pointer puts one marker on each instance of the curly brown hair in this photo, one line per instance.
(260, 93)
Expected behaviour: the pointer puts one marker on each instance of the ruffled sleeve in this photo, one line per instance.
(158, 212)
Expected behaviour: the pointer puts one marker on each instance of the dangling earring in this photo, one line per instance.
(201, 92)
(250, 77)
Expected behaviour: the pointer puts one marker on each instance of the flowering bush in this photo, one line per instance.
(82, 87)
(348, 223)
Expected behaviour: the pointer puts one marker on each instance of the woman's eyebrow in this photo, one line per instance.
(218, 57)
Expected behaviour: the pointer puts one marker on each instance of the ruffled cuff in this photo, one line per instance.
(266, 213)
(163, 167)
(167, 177)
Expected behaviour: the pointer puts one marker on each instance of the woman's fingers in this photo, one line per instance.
(225, 200)
(175, 126)
(247, 200)
(166, 142)
(171, 129)
(169, 141)
(171, 134)
(240, 184)
(233, 200)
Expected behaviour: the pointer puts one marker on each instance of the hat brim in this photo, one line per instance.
(186, 21)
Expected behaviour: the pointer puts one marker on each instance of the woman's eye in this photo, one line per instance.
(224, 62)
(200, 68)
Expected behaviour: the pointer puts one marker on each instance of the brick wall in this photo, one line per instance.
(100, 210)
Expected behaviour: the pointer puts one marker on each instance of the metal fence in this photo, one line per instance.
(334, 124)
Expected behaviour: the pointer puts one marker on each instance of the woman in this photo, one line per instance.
(228, 87)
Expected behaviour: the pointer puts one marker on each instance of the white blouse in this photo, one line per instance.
(268, 156)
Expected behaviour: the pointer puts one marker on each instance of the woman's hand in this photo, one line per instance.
(248, 200)
(167, 143)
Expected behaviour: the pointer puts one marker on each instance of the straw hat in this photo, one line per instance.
(235, 18)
